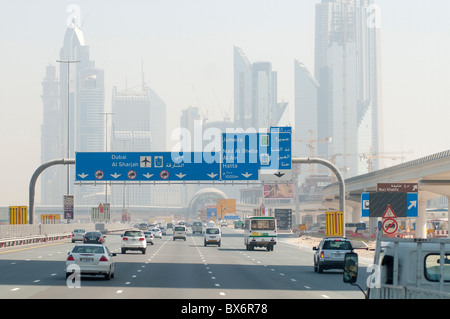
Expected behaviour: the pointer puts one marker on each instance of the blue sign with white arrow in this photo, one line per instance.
(247, 156)
(146, 166)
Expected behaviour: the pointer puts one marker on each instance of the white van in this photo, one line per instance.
(213, 235)
(179, 232)
(260, 231)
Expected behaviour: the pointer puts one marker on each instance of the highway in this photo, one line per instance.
(176, 270)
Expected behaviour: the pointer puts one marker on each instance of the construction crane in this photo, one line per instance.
(311, 144)
(371, 155)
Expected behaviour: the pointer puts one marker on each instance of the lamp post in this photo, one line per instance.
(68, 62)
(106, 147)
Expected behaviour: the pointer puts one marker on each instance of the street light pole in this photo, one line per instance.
(68, 117)
(106, 147)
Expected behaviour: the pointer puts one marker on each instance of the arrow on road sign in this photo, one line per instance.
(181, 175)
(278, 174)
(148, 175)
(115, 175)
(212, 175)
(247, 175)
(413, 204)
(83, 175)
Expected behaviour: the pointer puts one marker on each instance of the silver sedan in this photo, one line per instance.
(90, 259)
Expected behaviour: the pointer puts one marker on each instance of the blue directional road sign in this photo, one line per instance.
(146, 166)
(403, 204)
(245, 156)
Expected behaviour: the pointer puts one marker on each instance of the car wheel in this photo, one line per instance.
(123, 251)
(319, 268)
(108, 275)
(218, 245)
(143, 251)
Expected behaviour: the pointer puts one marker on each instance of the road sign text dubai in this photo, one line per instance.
(120, 161)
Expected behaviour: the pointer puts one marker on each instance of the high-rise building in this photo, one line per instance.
(138, 125)
(52, 146)
(255, 94)
(76, 110)
(347, 70)
(306, 117)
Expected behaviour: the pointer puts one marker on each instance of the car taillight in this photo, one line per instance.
(322, 255)
(101, 239)
(103, 258)
(125, 238)
(141, 239)
(70, 257)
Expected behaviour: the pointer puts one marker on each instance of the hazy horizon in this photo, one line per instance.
(187, 51)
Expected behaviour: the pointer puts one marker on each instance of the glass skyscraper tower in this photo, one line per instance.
(347, 68)
(81, 86)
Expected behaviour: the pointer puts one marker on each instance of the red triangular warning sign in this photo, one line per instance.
(389, 213)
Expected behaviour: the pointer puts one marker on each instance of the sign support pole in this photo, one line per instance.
(336, 172)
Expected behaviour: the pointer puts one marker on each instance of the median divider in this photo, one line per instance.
(31, 239)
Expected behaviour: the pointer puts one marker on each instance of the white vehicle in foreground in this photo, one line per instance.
(405, 269)
(91, 259)
(260, 231)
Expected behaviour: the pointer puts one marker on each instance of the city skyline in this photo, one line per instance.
(413, 46)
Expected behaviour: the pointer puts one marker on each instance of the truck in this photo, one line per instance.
(197, 227)
(405, 268)
(260, 231)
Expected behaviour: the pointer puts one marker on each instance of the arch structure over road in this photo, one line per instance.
(203, 196)
(431, 173)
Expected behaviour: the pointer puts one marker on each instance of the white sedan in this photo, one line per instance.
(149, 237)
(90, 259)
(156, 232)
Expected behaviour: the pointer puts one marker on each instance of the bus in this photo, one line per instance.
(260, 231)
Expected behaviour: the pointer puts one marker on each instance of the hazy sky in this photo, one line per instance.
(187, 50)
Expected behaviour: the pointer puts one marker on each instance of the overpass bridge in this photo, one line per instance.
(431, 173)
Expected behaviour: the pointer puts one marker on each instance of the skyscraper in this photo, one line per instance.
(306, 118)
(52, 181)
(138, 125)
(255, 94)
(347, 69)
(76, 111)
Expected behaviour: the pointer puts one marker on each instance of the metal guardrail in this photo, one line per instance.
(400, 292)
(12, 235)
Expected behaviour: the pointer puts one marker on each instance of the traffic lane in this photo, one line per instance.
(295, 263)
(25, 268)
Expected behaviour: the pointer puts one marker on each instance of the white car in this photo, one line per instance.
(78, 234)
(213, 235)
(179, 232)
(90, 259)
(149, 237)
(156, 232)
(133, 240)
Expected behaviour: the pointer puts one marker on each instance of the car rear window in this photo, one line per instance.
(212, 230)
(88, 250)
(337, 245)
(92, 233)
(179, 228)
(79, 231)
(132, 233)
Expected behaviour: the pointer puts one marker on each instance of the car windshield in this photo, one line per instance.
(212, 230)
(132, 233)
(337, 245)
(88, 250)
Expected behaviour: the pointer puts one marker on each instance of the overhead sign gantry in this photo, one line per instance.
(243, 157)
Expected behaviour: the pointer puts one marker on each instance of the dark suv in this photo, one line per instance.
(330, 253)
